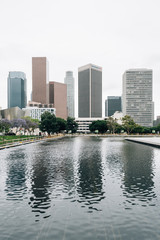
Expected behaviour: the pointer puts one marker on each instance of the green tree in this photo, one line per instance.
(128, 124)
(112, 124)
(61, 124)
(138, 129)
(147, 130)
(157, 128)
(72, 125)
(119, 128)
(99, 125)
(48, 123)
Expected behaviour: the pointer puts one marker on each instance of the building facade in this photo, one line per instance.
(83, 124)
(69, 81)
(40, 105)
(90, 91)
(12, 113)
(112, 104)
(156, 122)
(17, 90)
(35, 112)
(58, 97)
(40, 80)
(137, 96)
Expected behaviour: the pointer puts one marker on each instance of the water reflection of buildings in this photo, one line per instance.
(40, 198)
(16, 175)
(90, 174)
(52, 176)
(138, 184)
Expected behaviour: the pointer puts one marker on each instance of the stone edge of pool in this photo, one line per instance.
(16, 144)
(145, 142)
(135, 140)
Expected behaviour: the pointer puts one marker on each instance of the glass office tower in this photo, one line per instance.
(90, 91)
(17, 90)
(112, 104)
(69, 81)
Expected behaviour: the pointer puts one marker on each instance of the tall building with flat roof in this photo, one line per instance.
(69, 81)
(90, 91)
(40, 81)
(112, 104)
(58, 97)
(137, 96)
(17, 90)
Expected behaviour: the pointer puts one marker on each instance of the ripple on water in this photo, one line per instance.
(91, 188)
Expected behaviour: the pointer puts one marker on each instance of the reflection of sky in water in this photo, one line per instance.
(80, 186)
(16, 176)
(90, 174)
(138, 174)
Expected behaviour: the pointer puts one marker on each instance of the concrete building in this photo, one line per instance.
(83, 124)
(40, 80)
(12, 113)
(137, 96)
(17, 113)
(112, 104)
(58, 97)
(40, 105)
(90, 91)
(17, 90)
(35, 112)
(69, 81)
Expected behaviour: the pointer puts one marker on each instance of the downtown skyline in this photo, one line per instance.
(117, 35)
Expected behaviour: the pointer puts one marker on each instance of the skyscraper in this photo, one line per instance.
(112, 104)
(69, 81)
(90, 91)
(58, 97)
(137, 96)
(17, 90)
(40, 82)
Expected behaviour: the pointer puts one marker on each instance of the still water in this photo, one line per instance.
(80, 188)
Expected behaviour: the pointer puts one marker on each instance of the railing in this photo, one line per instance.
(16, 141)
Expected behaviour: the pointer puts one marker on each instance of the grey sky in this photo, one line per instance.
(114, 34)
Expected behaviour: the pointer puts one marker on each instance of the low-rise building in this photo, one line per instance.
(83, 124)
(12, 113)
(35, 112)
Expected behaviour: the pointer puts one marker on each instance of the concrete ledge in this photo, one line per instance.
(149, 142)
(16, 144)
(20, 143)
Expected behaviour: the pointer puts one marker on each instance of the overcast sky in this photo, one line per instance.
(114, 34)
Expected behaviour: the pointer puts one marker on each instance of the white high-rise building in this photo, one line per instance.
(137, 96)
(69, 80)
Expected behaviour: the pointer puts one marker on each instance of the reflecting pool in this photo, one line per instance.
(80, 188)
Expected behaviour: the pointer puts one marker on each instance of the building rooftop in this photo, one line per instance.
(88, 66)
